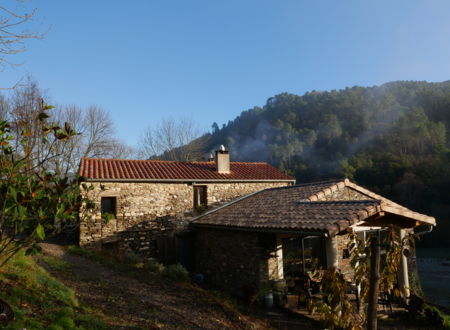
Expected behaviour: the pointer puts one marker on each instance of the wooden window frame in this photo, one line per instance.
(200, 196)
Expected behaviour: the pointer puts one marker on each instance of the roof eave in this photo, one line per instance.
(389, 206)
(264, 229)
(192, 180)
(422, 218)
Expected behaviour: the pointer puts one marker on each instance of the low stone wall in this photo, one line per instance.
(153, 238)
(233, 261)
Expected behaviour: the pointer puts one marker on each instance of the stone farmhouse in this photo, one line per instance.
(152, 201)
(277, 233)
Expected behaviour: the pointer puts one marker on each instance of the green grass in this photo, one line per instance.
(414, 320)
(100, 257)
(57, 264)
(38, 300)
(227, 299)
(441, 314)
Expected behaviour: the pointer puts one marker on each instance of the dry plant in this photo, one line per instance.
(335, 308)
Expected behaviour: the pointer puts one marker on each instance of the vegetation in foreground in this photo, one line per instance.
(39, 301)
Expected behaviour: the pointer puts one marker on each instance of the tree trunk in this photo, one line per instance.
(374, 283)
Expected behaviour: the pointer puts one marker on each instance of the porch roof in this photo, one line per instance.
(309, 207)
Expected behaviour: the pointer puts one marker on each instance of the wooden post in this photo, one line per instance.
(303, 256)
(374, 283)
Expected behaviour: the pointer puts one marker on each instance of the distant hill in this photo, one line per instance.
(391, 138)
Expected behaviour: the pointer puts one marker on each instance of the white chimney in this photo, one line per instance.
(222, 160)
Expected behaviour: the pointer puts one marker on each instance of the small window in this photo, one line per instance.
(108, 206)
(200, 197)
(345, 254)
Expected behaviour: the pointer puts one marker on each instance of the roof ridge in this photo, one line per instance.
(372, 194)
(205, 161)
(134, 160)
(320, 182)
(169, 161)
(307, 184)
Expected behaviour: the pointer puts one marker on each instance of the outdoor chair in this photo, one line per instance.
(384, 300)
(307, 289)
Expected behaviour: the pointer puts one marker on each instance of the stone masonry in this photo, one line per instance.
(146, 211)
(342, 240)
(233, 261)
(345, 194)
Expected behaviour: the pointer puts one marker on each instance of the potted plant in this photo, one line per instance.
(271, 292)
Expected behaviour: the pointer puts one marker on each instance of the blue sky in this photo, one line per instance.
(209, 60)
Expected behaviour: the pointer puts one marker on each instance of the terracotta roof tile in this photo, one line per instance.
(282, 209)
(296, 208)
(118, 169)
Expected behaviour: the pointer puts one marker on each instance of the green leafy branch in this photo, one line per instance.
(35, 203)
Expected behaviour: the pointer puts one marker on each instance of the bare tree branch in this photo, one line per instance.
(171, 139)
(94, 127)
(14, 30)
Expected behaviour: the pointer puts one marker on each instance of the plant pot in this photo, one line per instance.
(280, 300)
(268, 300)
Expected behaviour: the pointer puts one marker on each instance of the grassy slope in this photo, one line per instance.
(40, 301)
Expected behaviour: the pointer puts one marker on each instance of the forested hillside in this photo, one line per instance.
(393, 139)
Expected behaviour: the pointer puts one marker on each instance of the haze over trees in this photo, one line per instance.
(391, 138)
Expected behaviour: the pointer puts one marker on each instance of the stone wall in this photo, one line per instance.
(340, 257)
(343, 261)
(343, 255)
(146, 211)
(238, 262)
(221, 193)
(345, 194)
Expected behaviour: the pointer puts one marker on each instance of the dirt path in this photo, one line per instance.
(124, 302)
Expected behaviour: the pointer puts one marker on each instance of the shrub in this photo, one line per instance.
(435, 317)
(131, 258)
(176, 273)
(154, 266)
